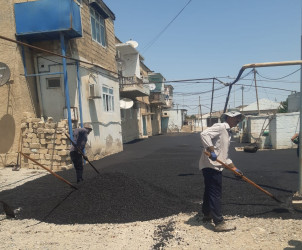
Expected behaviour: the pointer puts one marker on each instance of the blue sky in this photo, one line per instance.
(215, 38)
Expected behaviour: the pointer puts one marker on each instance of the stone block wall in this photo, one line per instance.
(45, 142)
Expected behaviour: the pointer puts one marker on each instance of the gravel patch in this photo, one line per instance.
(105, 219)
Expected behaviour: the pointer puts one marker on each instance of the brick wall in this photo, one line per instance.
(45, 142)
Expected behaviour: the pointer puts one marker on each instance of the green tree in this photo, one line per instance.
(283, 107)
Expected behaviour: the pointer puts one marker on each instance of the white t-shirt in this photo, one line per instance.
(219, 137)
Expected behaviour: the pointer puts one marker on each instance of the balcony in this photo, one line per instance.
(131, 87)
(157, 98)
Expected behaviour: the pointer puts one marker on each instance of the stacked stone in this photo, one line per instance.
(45, 142)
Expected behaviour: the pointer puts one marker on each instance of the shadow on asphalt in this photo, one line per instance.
(156, 178)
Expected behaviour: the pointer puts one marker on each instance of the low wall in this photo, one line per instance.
(45, 142)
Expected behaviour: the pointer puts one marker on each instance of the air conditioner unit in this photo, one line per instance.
(94, 91)
(73, 112)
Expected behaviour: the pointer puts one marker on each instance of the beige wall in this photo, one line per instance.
(19, 94)
(92, 51)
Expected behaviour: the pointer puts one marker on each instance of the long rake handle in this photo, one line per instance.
(245, 178)
(80, 151)
(53, 173)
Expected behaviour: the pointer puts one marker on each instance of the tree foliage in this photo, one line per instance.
(283, 107)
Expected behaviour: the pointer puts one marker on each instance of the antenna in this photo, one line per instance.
(134, 44)
(126, 103)
(4, 73)
(152, 86)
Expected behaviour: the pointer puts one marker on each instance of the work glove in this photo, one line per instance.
(213, 156)
(239, 172)
(85, 157)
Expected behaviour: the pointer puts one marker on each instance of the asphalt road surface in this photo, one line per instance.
(155, 178)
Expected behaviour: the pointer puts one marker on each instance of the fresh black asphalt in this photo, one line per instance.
(157, 177)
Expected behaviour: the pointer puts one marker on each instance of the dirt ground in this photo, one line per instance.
(179, 231)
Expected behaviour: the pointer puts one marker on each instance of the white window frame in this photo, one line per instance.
(98, 28)
(108, 99)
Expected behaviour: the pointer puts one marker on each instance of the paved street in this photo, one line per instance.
(158, 177)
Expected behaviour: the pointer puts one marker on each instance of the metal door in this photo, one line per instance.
(144, 126)
(52, 94)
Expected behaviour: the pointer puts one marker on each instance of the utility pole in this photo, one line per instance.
(212, 102)
(256, 91)
(234, 98)
(200, 115)
(242, 98)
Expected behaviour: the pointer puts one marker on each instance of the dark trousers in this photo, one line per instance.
(78, 164)
(211, 205)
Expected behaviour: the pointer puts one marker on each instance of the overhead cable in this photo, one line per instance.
(279, 77)
(160, 33)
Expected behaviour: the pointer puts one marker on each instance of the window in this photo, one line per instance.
(53, 83)
(97, 27)
(108, 99)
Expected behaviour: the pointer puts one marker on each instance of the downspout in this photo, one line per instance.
(66, 88)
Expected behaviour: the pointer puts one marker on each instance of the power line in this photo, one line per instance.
(160, 33)
(279, 77)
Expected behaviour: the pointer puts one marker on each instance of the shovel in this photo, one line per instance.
(250, 182)
(8, 210)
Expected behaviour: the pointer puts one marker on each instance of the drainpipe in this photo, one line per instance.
(79, 92)
(66, 88)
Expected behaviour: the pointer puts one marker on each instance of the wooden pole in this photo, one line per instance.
(53, 173)
(256, 91)
(212, 102)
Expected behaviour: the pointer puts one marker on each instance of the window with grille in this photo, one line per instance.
(108, 99)
(98, 31)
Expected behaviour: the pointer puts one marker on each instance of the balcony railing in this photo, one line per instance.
(157, 98)
(131, 87)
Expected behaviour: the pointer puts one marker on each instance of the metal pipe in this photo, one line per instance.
(300, 135)
(44, 74)
(79, 92)
(66, 88)
(259, 65)
(275, 64)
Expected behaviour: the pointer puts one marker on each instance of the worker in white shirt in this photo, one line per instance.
(216, 140)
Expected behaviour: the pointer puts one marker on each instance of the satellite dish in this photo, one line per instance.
(152, 86)
(134, 44)
(126, 103)
(4, 73)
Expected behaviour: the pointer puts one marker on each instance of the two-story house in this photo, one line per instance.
(62, 66)
(132, 88)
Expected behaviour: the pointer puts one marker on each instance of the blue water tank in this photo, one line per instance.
(45, 19)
